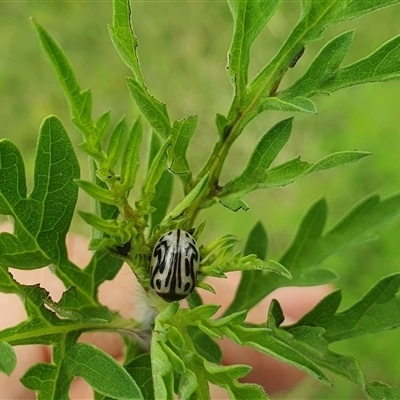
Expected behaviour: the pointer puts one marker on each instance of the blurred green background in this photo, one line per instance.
(182, 49)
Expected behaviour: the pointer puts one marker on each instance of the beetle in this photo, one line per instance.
(174, 265)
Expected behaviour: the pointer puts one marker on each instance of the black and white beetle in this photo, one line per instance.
(174, 265)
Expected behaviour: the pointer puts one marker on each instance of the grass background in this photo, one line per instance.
(182, 49)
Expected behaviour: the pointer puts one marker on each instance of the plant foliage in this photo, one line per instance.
(184, 357)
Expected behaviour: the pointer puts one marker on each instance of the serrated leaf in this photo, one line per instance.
(40, 327)
(311, 246)
(182, 131)
(152, 109)
(123, 38)
(324, 75)
(42, 218)
(130, 160)
(257, 242)
(249, 18)
(80, 101)
(263, 155)
(257, 175)
(362, 222)
(255, 171)
(316, 16)
(116, 144)
(295, 169)
(101, 371)
(382, 65)
(323, 68)
(282, 346)
(345, 366)
(377, 310)
(226, 377)
(8, 359)
(41, 378)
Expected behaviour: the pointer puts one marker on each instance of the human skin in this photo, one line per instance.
(120, 294)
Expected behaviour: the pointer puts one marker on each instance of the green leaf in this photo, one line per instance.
(162, 372)
(227, 376)
(325, 76)
(130, 161)
(164, 187)
(187, 384)
(116, 144)
(249, 18)
(295, 169)
(297, 104)
(162, 198)
(41, 378)
(80, 101)
(101, 371)
(103, 125)
(123, 38)
(233, 203)
(316, 16)
(282, 346)
(8, 359)
(220, 122)
(112, 227)
(7, 283)
(311, 246)
(344, 366)
(187, 200)
(98, 193)
(250, 281)
(379, 390)
(182, 132)
(354, 8)
(361, 224)
(42, 218)
(256, 175)
(382, 65)
(263, 155)
(140, 370)
(376, 311)
(205, 345)
(322, 70)
(153, 176)
(152, 109)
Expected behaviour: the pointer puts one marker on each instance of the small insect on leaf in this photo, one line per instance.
(174, 265)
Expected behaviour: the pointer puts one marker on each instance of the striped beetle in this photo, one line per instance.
(174, 265)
